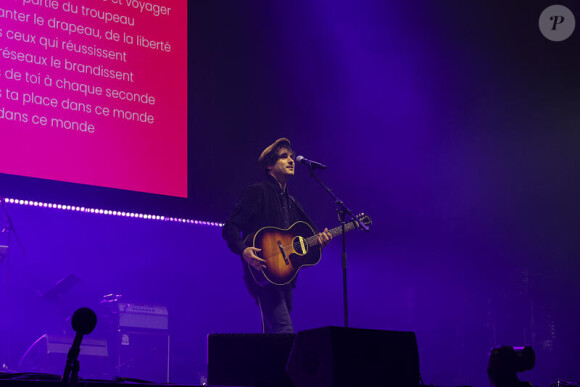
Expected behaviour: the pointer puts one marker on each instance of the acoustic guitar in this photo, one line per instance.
(288, 250)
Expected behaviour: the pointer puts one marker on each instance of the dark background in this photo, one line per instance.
(453, 124)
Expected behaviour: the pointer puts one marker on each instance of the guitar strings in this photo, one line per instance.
(314, 238)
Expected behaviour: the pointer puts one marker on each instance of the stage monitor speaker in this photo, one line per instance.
(48, 355)
(248, 359)
(334, 356)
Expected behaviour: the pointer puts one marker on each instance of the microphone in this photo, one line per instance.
(309, 163)
(83, 321)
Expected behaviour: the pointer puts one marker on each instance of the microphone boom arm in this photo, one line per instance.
(339, 202)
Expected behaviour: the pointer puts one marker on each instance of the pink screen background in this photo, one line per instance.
(123, 154)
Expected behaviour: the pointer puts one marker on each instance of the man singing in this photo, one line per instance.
(268, 204)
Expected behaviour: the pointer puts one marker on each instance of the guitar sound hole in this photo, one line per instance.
(300, 245)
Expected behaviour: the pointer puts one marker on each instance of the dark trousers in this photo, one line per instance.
(275, 304)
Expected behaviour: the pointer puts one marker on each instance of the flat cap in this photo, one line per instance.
(270, 148)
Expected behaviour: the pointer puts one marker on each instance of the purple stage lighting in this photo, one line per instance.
(101, 211)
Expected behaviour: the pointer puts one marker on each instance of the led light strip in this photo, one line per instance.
(99, 211)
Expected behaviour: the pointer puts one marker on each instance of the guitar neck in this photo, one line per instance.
(313, 240)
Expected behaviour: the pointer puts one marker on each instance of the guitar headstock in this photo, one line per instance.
(365, 220)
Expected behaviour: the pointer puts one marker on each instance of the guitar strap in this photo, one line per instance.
(303, 213)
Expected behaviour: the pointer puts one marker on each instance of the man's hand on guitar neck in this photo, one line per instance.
(249, 255)
(324, 238)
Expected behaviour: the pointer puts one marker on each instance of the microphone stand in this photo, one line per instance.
(83, 322)
(6, 231)
(71, 370)
(342, 210)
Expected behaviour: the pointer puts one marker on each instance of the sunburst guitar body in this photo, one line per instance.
(288, 250)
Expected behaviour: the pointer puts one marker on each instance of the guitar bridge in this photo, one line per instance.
(283, 253)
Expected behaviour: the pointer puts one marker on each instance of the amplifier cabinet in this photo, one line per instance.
(138, 337)
(140, 355)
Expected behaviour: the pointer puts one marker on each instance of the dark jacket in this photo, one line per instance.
(261, 205)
